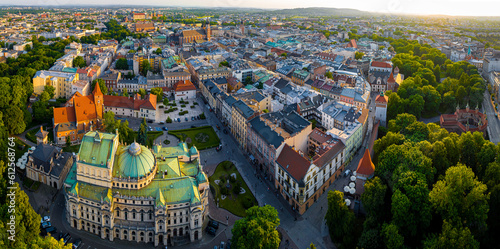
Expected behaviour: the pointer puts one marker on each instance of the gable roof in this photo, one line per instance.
(184, 85)
(293, 163)
(366, 166)
(64, 115)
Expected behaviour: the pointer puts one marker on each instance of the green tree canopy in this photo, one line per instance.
(257, 229)
(121, 64)
(461, 198)
(79, 62)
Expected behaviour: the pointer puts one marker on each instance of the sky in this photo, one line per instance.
(424, 7)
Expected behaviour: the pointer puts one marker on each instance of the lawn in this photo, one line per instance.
(234, 203)
(202, 137)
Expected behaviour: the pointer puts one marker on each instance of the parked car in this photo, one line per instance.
(213, 224)
(46, 218)
(162, 122)
(165, 128)
(228, 245)
(347, 173)
(150, 121)
(221, 245)
(51, 230)
(198, 117)
(46, 224)
(67, 238)
(178, 119)
(60, 236)
(77, 243)
(186, 119)
(211, 231)
(192, 118)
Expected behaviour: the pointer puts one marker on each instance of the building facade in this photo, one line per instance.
(133, 193)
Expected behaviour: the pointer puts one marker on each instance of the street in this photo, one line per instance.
(301, 230)
(493, 122)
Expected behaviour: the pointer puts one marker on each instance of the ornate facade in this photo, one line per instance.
(131, 192)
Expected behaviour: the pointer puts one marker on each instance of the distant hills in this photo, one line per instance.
(316, 11)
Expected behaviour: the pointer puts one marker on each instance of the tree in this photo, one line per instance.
(14, 120)
(359, 55)
(224, 64)
(284, 55)
(391, 236)
(312, 246)
(125, 92)
(401, 122)
(460, 198)
(79, 62)
(417, 103)
(102, 86)
(158, 92)
(142, 92)
(452, 237)
(142, 136)
(486, 155)
(329, 75)
(49, 90)
(410, 207)
(339, 218)
(374, 197)
(158, 51)
(257, 229)
(68, 141)
(121, 64)
(169, 120)
(146, 66)
(248, 80)
(468, 150)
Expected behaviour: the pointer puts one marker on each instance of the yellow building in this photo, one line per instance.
(240, 115)
(134, 193)
(61, 81)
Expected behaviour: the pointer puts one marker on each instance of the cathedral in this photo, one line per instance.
(196, 35)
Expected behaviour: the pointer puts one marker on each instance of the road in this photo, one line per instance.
(302, 230)
(493, 122)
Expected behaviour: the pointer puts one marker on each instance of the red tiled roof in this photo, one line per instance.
(64, 115)
(380, 64)
(366, 166)
(184, 85)
(293, 163)
(85, 108)
(329, 151)
(319, 136)
(381, 98)
(130, 102)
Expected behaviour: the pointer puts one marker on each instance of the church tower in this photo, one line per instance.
(209, 31)
(98, 100)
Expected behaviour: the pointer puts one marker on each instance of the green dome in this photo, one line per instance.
(134, 161)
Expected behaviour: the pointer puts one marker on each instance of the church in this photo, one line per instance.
(196, 35)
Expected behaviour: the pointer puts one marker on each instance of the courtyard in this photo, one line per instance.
(230, 190)
(179, 110)
(203, 137)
